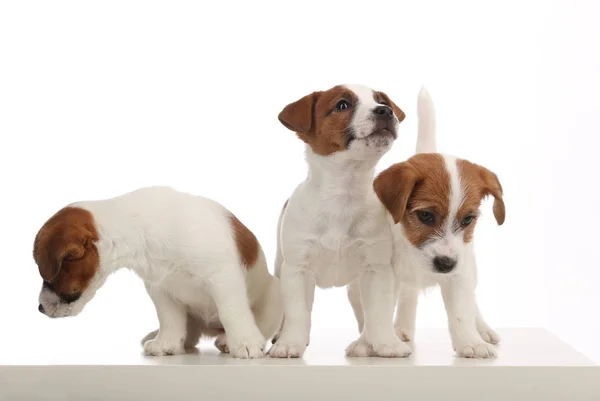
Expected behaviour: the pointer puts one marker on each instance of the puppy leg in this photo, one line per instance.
(310, 298)
(268, 311)
(459, 299)
(172, 318)
(193, 333)
(406, 313)
(377, 294)
(485, 331)
(228, 289)
(297, 289)
(353, 290)
(278, 264)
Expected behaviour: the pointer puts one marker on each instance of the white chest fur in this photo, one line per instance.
(335, 234)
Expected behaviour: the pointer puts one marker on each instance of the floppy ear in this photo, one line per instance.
(492, 186)
(397, 111)
(393, 186)
(298, 116)
(49, 251)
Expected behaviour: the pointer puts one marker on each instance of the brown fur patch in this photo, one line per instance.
(422, 183)
(246, 242)
(316, 122)
(478, 182)
(65, 252)
(419, 184)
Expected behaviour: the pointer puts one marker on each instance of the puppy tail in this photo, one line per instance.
(426, 141)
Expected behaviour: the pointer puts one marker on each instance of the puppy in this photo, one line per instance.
(333, 230)
(434, 201)
(204, 270)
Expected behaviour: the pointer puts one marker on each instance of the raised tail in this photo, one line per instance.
(426, 142)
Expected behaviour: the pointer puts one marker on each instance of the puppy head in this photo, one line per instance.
(68, 262)
(353, 119)
(436, 199)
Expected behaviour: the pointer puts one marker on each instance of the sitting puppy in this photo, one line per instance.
(333, 229)
(434, 201)
(203, 269)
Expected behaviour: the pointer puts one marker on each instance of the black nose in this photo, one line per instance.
(444, 264)
(41, 308)
(383, 111)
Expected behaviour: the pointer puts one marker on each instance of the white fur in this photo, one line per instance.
(183, 248)
(471, 336)
(334, 231)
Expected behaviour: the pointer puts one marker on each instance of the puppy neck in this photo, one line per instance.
(117, 244)
(337, 171)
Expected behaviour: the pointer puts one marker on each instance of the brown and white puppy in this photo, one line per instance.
(434, 201)
(204, 270)
(334, 230)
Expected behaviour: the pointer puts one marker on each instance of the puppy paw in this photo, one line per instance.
(285, 349)
(392, 349)
(489, 336)
(158, 347)
(221, 343)
(358, 349)
(389, 349)
(150, 336)
(476, 350)
(246, 350)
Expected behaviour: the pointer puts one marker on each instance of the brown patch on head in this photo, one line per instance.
(478, 182)
(65, 252)
(419, 185)
(419, 189)
(246, 242)
(317, 122)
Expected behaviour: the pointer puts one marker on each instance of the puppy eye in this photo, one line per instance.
(384, 103)
(467, 220)
(426, 217)
(342, 105)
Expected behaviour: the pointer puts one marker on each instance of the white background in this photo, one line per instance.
(97, 99)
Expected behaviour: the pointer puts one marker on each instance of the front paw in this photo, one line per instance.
(359, 349)
(475, 350)
(159, 347)
(393, 348)
(244, 348)
(489, 336)
(287, 349)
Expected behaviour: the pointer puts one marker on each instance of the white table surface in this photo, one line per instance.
(531, 363)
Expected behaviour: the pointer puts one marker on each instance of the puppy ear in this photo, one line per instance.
(397, 111)
(50, 249)
(298, 116)
(394, 186)
(492, 186)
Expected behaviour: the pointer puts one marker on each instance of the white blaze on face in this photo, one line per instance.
(451, 243)
(362, 119)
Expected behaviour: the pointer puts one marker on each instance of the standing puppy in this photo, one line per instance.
(333, 230)
(203, 269)
(434, 202)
